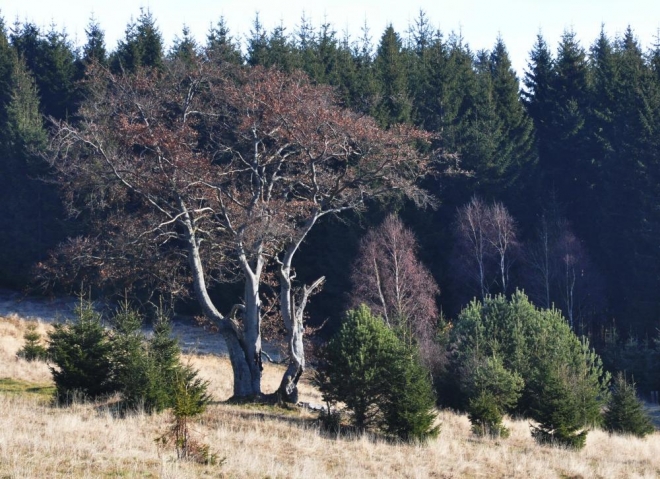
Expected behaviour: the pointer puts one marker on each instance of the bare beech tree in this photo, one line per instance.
(208, 173)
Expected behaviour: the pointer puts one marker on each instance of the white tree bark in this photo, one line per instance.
(240, 346)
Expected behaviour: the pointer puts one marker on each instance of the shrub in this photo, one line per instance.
(625, 414)
(81, 353)
(32, 350)
(530, 343)
(330, 420)
(377, 377)
(486, 416)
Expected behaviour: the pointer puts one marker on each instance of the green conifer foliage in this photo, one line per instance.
(32, 350)
(185, 47)
(557, 409)
(81, 353)
(545, 371)
(94, 49)
(7, 60)
(537, 95)
(51, 60)
(625, 413)
(492, 391)
(145, 369)
(31, 223)
(408, 411)
(391, 72)
(378, 378)
(142, 45)
(257, 44)
(220, 45)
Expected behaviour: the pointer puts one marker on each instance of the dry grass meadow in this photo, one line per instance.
(38, 440)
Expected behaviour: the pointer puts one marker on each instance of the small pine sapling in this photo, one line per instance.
(190, 399)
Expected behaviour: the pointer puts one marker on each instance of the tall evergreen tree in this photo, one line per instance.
(150, 40)
(94, 49)
(142, 45)
(537, 97)
(220, 45)
(565, 164)
(482, 137)
(428, 75)
(30, 223)
(394, 105)
(346, 73)
(327, 54)
(307, 47)
(629, 221)
(52, 61)
(184, 47)
(257, 44)
(366, 86)
(519, 152)
(279, 50)
(7, 60)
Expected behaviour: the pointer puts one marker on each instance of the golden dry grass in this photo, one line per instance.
(38, 440)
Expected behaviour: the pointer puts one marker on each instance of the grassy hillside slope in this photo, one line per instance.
(91, 440)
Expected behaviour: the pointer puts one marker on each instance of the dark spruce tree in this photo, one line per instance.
(630, 220)
(565, 166)
(257, 44)
(95, 49)
(279, 51)
(52, 61)
(185, 47)
(31, 222)
(394, 105)
(537, 95)
(220, 45)
(625, 413)
(81, 356)
(518, 155)
(365, 91)
(142, 45)
(430, 79)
